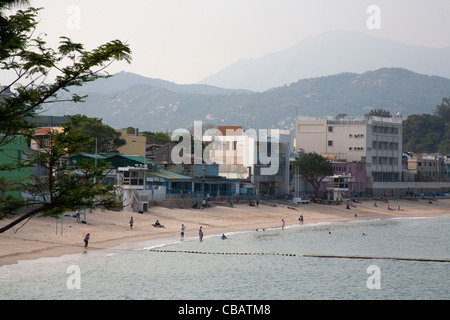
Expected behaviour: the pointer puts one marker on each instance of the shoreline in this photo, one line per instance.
(44, 237)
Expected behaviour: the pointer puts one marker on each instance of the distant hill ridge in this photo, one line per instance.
(330, 53)
(124, 80)
(121, 103)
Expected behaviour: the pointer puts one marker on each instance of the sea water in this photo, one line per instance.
(269, 264)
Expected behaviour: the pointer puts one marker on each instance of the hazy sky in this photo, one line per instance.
(186, 40)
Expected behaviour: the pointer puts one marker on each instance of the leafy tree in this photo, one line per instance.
(108, 139)
(32, 62)
(443, 110)
(422, 133)
(380, 113)
(26, 56)
(60, 191)
(313, 168)
(160, 137)
(428, 132)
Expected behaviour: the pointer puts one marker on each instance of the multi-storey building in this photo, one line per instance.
(261, 157)
(373, 141)
(427, 167)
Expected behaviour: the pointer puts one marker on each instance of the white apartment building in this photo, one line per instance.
(375, 141)
(255, 155)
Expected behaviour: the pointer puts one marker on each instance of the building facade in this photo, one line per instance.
(375, 142)
(251, 155)
(11, 154)
(427, 167)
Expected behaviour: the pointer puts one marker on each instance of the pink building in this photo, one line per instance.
(355, 169)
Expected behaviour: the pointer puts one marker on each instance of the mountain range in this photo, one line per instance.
(128, 99)
(330, 53)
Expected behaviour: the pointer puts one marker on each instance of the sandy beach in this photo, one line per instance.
(44, 237)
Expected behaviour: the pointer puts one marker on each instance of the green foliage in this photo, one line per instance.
(32, 63)
(108, 139)
(443, 110)
(380, 113)
(62, 189)
(27, 56)
(427, 133)
(313, 168)
(160, 137)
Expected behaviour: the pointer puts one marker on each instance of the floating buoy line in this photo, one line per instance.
(375, 258)
(226, 253)
(293, 255)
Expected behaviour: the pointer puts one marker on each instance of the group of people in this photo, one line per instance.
(157, 224)
(283, 223)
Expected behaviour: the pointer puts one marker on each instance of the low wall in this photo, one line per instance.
(401, 188)
(176, 204)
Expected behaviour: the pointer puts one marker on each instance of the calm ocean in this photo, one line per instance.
(277, 268)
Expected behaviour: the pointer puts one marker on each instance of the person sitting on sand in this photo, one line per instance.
(157, 224)
(223, 237)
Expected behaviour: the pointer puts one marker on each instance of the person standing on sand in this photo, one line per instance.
(282, 223)
(182, 231)
(200, 233)
(86, 240)
(131, 223)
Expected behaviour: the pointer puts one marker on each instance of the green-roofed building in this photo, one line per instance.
(121, 160)
(73, 160)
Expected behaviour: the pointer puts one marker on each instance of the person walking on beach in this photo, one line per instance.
(131, 223)
(282, 223)
(86, 240)
(182, 231)
(300, 219)
(200, 233)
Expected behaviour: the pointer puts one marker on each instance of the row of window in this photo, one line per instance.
(385, 176)
(351, 135)
(375, 129)
(382, 145)
(384, 160)
(376, 145)
(330, 144)
(425, 164)
(339, 167)
(385, 130)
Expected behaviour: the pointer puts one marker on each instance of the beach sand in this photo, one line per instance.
(43, 237)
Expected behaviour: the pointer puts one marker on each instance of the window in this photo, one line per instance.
(330, 129)
(330, 143)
